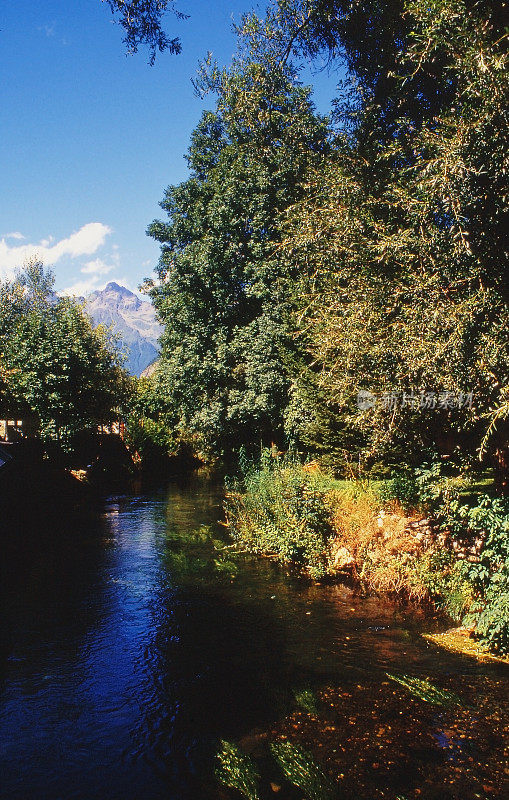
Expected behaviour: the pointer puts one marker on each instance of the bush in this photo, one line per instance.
(479, 586)
(280, 508)
(489, 521)
(402, 487)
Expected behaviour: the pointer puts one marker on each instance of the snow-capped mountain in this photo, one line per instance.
(132, 318)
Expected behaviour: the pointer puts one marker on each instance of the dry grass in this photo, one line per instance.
(388, 556)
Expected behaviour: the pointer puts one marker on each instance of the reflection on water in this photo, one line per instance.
(132, 644)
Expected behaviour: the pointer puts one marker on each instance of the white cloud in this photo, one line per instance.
(84, 242)
(48, 29)
(83, 288)
(13, 235)
(97, 267)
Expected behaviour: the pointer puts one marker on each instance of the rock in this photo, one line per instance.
(343, 559)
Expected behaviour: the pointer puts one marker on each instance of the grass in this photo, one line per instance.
(237, 770)
(425, 690)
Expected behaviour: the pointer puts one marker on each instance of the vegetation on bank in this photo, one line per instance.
(419, 534)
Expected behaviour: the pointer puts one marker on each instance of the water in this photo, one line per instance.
(131, 645)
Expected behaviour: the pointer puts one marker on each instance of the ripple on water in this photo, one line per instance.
(130, 652)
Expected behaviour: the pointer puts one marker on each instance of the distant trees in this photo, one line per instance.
(52, 362)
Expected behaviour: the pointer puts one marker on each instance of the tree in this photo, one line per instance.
(221, 292)
(54, 363)
(405, 248)
(142, 23)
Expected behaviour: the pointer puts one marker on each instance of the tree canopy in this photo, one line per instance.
(53, 363)
(221, 292)
(306, 260)
(405, 248)
(142, 21)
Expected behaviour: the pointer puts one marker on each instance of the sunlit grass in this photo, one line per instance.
(424, 690)
(237, 770)
(299, 767)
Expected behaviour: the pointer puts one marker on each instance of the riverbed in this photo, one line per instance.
(134, 641)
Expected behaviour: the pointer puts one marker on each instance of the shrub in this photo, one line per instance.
(480, 585)
(402, 487)
(280, 508)
(489, 575)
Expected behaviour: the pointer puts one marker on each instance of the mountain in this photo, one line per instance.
(132, 318)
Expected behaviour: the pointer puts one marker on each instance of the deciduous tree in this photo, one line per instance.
(54, 363)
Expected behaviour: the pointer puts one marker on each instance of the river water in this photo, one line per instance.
(132, 643)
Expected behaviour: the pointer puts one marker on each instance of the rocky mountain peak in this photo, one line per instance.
(134, 319)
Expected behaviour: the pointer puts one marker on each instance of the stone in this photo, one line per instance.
(343, 559)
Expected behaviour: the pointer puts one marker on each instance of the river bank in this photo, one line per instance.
(45, 480)
(421, 539)
(134, 646)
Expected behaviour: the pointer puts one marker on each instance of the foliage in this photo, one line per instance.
(444, 580)
(488, 521)
(142, 23)
(237, 770)
(477, 588)
(300, 768)
(400, 236)
(299, 268)
(221, 289)
(54, 364)
(280, 509)
(401, 487)
(151, 438)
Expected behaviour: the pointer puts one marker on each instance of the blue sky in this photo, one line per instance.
(90, 137)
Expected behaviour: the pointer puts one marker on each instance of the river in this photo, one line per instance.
(134, 641)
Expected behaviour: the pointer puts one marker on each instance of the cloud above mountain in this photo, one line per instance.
(84, 242)
(97, 267)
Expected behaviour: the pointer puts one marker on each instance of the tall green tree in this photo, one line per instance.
(222, 290)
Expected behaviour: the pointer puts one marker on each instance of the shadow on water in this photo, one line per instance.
(46, 570)
(135, 641)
